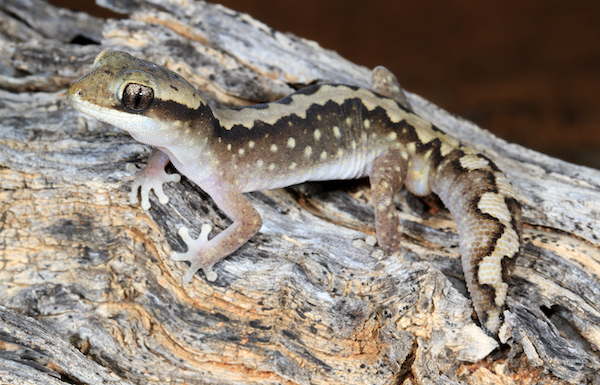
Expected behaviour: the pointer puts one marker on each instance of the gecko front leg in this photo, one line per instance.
(152, 177)
(202, 253)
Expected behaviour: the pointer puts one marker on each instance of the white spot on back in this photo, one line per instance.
(274, 148)
(336, 132)
(291, 143)
(307, 151)
(317, 134)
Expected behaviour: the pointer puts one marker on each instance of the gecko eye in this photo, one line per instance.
(137, 97)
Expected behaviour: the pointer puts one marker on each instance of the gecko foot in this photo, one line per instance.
(193, 254)
(151, 178)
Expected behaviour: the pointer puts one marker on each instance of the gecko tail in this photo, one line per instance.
(488, 219)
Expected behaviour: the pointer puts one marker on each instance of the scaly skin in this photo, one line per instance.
(321, 132)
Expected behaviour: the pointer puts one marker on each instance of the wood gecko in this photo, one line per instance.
(321, 132)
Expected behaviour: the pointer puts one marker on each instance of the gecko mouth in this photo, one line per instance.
(99, 112)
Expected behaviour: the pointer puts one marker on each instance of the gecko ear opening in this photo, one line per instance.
(137, 98)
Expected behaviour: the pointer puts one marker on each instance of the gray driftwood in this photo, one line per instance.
(308, 300)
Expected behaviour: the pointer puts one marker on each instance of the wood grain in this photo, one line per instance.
(307, 301)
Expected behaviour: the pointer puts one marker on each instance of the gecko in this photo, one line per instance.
(321, 132)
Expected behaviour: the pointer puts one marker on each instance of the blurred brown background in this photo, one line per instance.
(529, 71)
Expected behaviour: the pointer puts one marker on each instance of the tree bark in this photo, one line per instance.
(307, 300)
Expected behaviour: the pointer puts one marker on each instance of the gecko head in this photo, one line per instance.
(155, 105)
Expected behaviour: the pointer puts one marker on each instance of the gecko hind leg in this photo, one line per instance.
(386, 178)
(385, 83)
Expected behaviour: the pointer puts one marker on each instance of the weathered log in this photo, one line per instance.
(308, 300)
